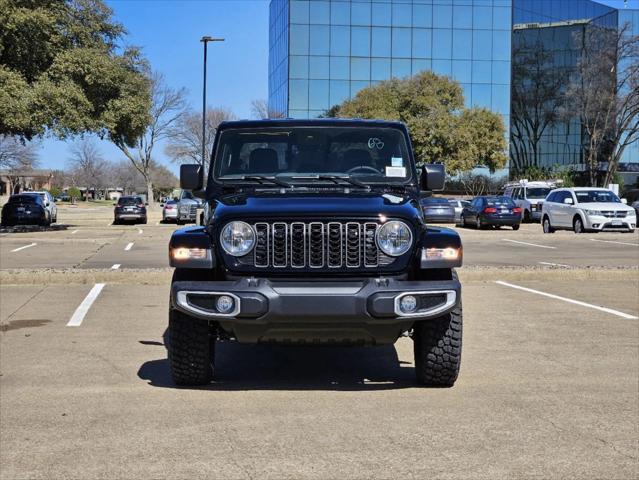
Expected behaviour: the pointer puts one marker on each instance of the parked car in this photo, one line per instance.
(187, 208)
(458, 205)
(489, 211)
(583, 209)
(63, 197)
(632, 198)
(529, 196)
(129, 209)
(170, 211)
(49, 204)
(437, 210)
(25, 209)
(309, 241)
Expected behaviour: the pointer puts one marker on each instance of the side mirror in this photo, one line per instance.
(161, 204)
(191, 177)
(568, 201)
(433, 177)
(624, 201)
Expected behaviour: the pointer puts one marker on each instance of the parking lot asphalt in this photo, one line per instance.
(548, 384)
(547, 389)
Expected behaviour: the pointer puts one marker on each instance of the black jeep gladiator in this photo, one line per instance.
(314, 235)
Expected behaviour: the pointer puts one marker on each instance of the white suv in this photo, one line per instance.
(586, 208)
(528, 196)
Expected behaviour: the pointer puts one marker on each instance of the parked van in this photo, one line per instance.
(529, 196)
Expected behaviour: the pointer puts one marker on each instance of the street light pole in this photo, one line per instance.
(205, 40)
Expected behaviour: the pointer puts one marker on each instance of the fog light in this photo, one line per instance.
(225, 304)
(595, 225)
(408, 304)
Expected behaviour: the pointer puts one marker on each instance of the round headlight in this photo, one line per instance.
(237, 238)
(394, 238)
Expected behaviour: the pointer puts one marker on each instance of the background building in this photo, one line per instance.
(324, 51)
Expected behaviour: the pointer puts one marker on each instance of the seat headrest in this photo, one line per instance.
(263, 160)
(356, 157)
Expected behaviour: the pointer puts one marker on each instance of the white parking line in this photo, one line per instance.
(526, 243)
(612, 241)
(83, 308)
(74, 232)
(554, 264)
(140, 231)
(568, 300)
(115, 266)
(22, 248)
(109, 224)
(128, 246)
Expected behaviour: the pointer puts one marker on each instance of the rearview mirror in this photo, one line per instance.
(191, 177)
(433, 177)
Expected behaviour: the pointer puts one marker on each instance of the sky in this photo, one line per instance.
(168, 31)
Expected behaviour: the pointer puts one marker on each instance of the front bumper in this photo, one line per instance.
(600, 223)
(366, 311)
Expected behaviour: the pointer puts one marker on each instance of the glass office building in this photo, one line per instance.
(324, 51)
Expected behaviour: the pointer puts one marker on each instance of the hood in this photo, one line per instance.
(317, 206)
(619, 207)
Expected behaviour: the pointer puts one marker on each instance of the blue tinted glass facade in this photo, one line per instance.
(324, 51)
(338, 47)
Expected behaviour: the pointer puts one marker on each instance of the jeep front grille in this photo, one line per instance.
(330, 245)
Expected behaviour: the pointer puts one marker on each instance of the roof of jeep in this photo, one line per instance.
(314, 122)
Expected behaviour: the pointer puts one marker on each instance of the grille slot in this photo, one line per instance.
(318, 245)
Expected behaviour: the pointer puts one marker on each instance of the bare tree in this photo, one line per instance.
(17, 156)
(260, 109)
(605, 95)
(184, 144)
(168, 106)
(88, 167)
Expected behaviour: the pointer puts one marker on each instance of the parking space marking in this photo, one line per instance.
(526, 243)
(568, 300)
(22, 248)
(74, 232)
(128, 246)
(612, 241)
(83, 308)
(115, 266)
(140, 231)
(109, 224)
(554, 264)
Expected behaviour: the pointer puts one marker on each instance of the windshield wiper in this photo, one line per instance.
(262, 179)
(335, 179)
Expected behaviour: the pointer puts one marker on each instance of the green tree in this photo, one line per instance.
(62, 72)
(441, 129)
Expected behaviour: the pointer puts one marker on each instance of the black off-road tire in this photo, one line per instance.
(437, 347)
(527, 217)
(191, 349)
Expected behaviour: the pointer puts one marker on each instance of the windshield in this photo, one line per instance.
(28, 198)
(537, 192)
(601, 196)
(297, 154)
(129, 201)
(500, 201)
(435, 201)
